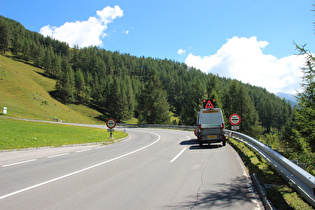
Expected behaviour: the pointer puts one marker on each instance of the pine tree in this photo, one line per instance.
(193, 102)
(69, 85)
(40, 58)
(215, 96)
(4, 35)
(230, 101)
(247, 112)
(123, 101)
(237, 100)
(17, 43)
(130, 98)
(117, 100)
(211, 85)
(306, 99)
(66, 83)
(48, 61)
(81, 90)
(153, 106)
(26, 49)
(34, 53)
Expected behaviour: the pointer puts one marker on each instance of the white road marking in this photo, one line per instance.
(77, 172)
(84, 150)
(177, 155)
(53, 156)
(17, 163)
(100, 147)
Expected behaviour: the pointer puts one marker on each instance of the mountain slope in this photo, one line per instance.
(25, 92)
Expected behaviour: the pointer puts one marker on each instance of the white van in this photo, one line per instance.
(210, 126)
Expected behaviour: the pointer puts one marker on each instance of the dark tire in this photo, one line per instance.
(223, 142)
(200, 144)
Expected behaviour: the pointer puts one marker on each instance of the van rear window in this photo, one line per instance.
(210, 118)
(210, 111)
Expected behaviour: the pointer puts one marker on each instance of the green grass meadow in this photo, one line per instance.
(19, 134)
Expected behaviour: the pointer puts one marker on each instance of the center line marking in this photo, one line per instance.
(53, 156)
(84, 150)
(177, 155)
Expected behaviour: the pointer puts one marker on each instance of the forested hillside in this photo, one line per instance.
(124, 86)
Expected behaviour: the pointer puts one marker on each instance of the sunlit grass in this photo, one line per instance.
(16, 134)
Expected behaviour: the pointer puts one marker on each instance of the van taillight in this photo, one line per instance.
(199, 126)
(222, 125)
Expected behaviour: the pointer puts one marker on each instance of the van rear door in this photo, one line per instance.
(211, 118)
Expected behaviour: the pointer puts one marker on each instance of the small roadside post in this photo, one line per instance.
(111, 123)
(235, 120)
(5, 110)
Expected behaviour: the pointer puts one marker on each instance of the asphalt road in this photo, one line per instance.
(152, 169)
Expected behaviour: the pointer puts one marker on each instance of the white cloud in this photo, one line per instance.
(47, 30)
(84, 33)
(108, 14)
(243, 59)
(181, 51)
(126, 32)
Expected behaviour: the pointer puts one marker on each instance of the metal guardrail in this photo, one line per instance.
(182, 127)
(301, 180)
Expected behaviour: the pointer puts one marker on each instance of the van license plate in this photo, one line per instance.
(212, 137)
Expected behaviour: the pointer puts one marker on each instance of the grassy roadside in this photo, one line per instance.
(16, 134)
(279, 192)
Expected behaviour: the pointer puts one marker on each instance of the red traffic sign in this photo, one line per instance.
(111, 123)
(209, 105)
(235, 119)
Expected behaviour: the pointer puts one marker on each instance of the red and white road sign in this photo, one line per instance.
(235, 119)
(209, 105)
(111, 123)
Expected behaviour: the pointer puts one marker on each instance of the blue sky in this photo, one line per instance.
(249, 40)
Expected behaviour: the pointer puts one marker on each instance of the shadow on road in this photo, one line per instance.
(233, 195)
(189, 142)
(195, 145)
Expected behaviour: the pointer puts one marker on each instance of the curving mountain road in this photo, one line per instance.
(152, 169)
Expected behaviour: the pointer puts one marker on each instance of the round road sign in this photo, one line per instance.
(111, 123)
(235, 119)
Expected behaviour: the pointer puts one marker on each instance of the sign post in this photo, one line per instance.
(111, 123)
(235, 120)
